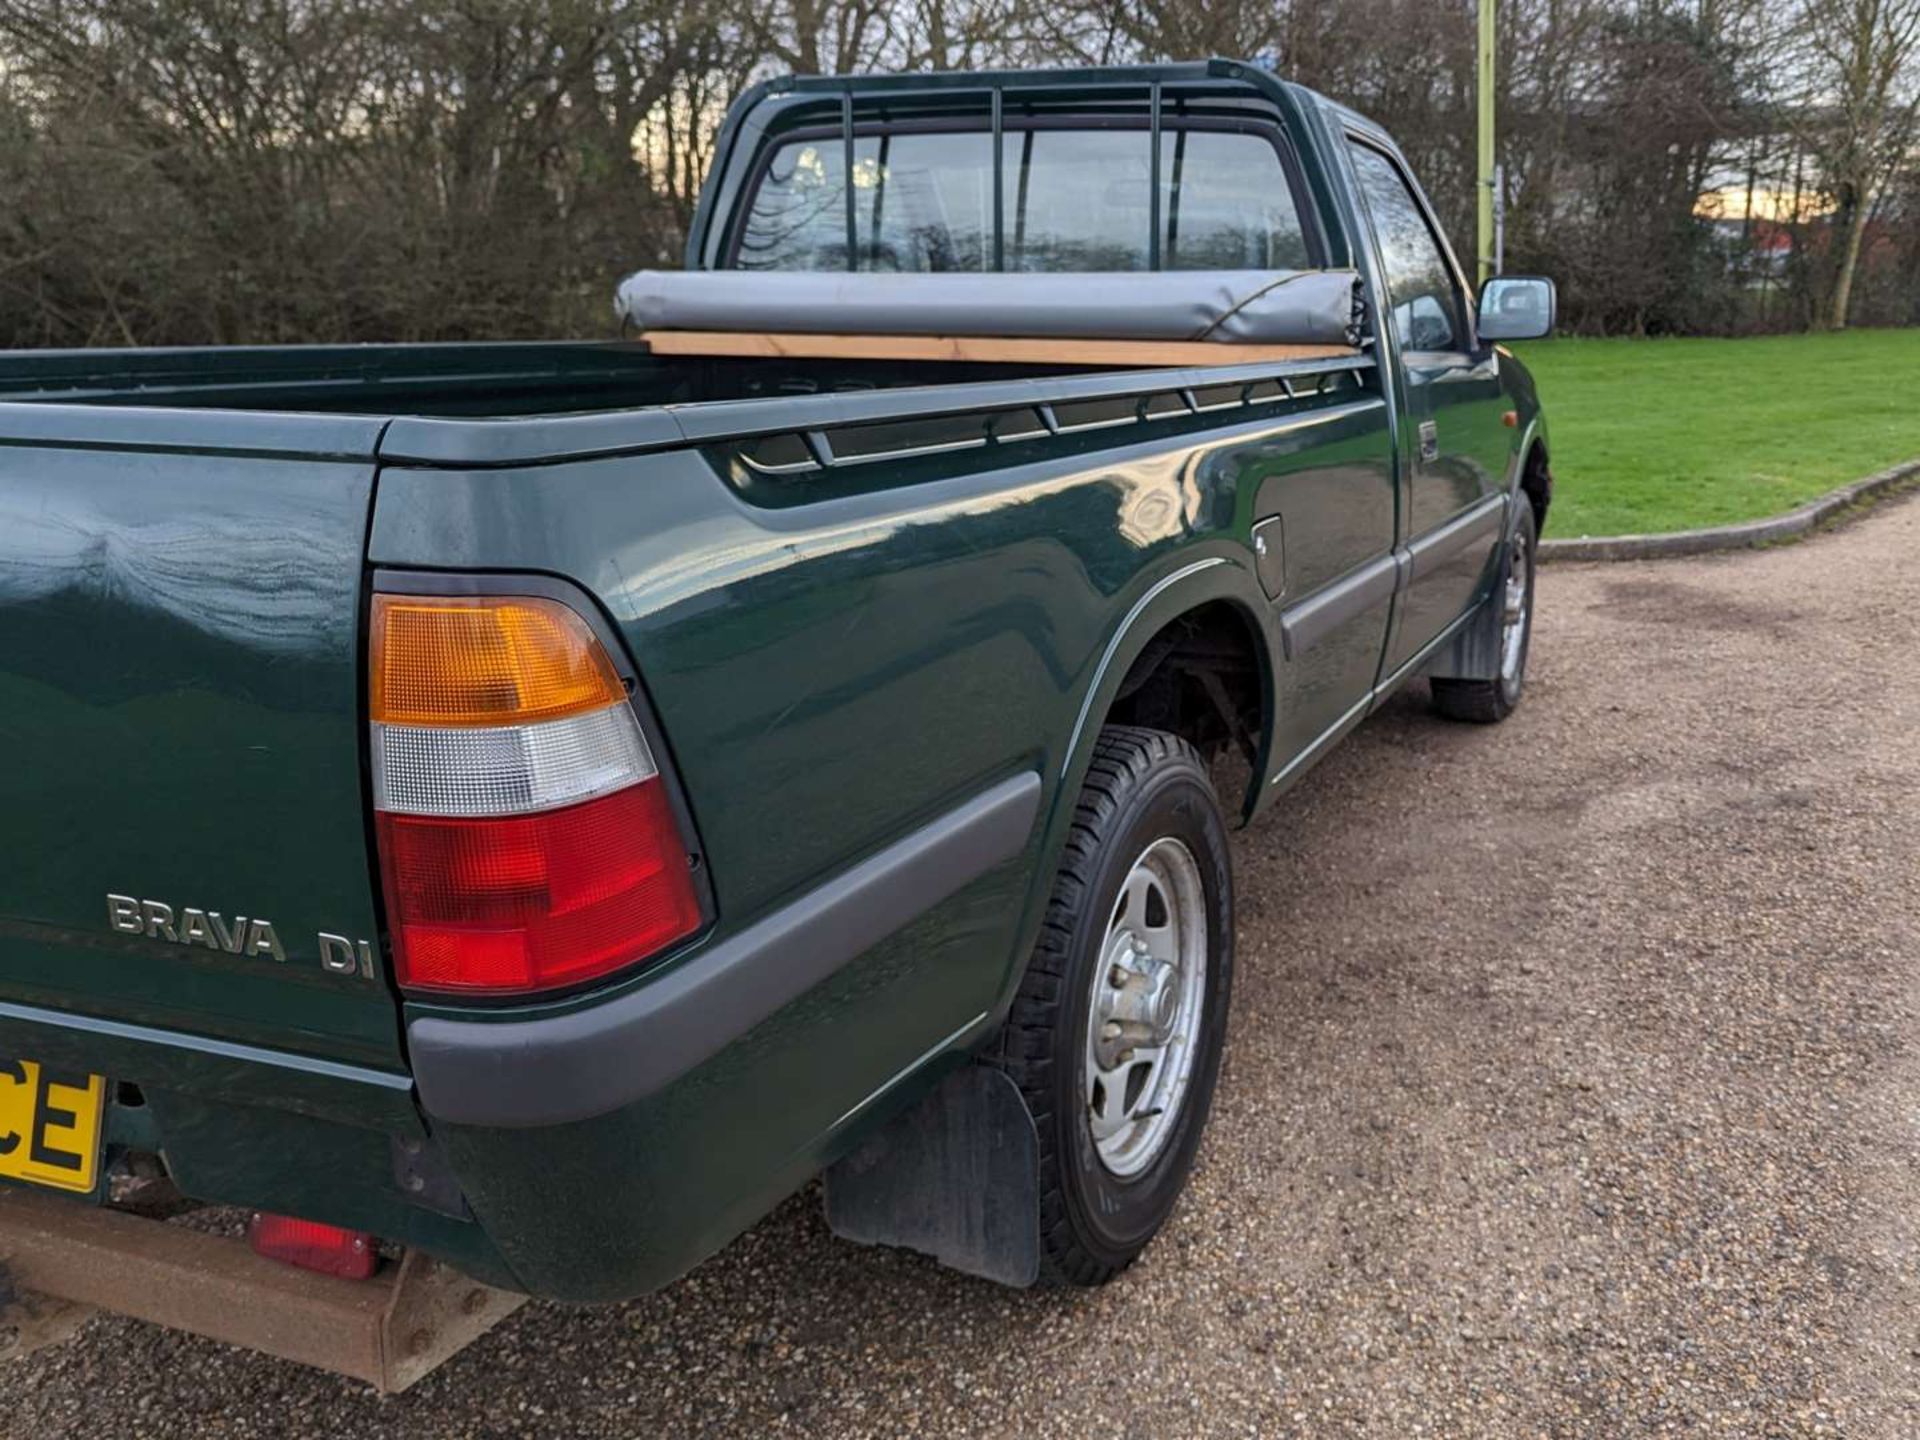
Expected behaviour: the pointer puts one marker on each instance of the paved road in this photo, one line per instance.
(1571, 1091)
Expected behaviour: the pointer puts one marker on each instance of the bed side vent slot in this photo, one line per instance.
(903, 439)
(1024, 424)
(1217, 397)
(1096, 414)
(778, 455)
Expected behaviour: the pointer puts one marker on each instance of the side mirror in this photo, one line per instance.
(1517, 307)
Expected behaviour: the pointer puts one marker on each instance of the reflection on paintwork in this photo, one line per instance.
(1160, 496)
(216, 569)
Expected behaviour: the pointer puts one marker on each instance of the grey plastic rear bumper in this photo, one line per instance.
(561, 1068)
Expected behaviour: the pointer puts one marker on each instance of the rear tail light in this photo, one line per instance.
(526, 839)
(350, 1254)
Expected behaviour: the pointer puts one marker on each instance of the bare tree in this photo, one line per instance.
(823, 37)
(1858, 114)
(186, 171)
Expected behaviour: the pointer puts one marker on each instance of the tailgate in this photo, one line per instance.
(180, 726)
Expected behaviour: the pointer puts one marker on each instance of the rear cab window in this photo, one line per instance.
(1072, 199)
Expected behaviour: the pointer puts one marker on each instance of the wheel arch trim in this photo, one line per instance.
(1533, 436)
(1210, 579)
(1213, 579)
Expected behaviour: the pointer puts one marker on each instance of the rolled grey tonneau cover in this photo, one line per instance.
(1235, 307)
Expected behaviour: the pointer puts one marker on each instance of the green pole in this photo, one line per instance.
(1485, 246)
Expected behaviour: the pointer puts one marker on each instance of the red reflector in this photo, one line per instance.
(530, 902)
(313, 1246)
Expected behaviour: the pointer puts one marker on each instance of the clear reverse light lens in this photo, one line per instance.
(507, 769)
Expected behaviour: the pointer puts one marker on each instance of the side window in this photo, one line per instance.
(1426, 303)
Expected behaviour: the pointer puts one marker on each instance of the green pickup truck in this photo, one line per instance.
(505, 815)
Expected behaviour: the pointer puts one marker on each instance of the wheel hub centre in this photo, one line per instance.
(1140, 1001)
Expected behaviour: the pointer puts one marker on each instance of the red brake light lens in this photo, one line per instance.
(350, 1254)
(501, 905)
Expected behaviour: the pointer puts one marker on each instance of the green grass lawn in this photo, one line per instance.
(1670, 434)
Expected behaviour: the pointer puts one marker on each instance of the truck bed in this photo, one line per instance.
(190, 538)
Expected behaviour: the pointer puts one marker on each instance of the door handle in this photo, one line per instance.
(1429, 441)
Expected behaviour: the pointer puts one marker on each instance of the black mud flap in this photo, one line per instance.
(956, 1177)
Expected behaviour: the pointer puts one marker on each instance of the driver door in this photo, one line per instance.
(1456, 505)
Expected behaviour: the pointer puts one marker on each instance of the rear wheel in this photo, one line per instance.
(1487, 701)
(1116, 1035)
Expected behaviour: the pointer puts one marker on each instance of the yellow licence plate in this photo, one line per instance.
(49, 1124)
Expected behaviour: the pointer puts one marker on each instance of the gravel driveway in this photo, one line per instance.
(1571, 1091)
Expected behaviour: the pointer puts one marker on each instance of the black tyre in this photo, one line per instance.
(1486, 701)
(1116, 1035)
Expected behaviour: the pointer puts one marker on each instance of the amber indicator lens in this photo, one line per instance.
(483, 660)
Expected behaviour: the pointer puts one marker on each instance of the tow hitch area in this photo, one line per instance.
(389, 1330)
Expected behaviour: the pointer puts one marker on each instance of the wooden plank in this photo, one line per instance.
(1002, 350)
